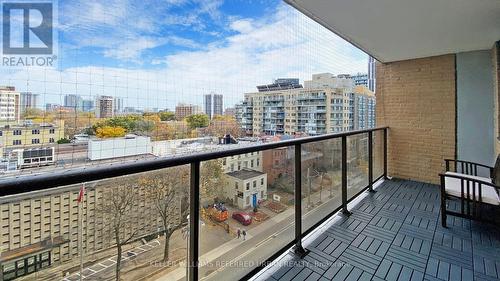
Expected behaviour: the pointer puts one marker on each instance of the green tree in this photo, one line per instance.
(197, 121)
(167, 116)
(143, 127)
(64, 140)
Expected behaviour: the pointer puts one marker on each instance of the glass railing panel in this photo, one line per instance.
(378, 154)
(50, 234)
(251, 194)
(321, 180)
(357, 164)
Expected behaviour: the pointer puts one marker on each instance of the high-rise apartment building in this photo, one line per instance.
(87, 105)
(183, 110)
(213, 105)
(371, 74)
(104, 107)
(364, 108)
(73, 101)
(118, 105)
(326, 104)
(28, 100)
(9, 104)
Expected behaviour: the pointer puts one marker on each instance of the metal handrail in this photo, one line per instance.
(28, 183)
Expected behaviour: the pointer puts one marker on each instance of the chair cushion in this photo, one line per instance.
(489, 194)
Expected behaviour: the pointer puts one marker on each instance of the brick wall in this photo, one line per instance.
(416, 99)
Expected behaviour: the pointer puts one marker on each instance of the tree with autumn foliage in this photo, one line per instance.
(110, 132)
(212, 180)
(223, 125)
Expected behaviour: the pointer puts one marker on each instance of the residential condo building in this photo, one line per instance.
(9, 104)
(104, 107)
(371, 74)
(28, 100)
(213, 105)
(183, 110)
(73, 101)
(325, 104)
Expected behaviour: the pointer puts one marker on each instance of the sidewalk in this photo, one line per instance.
(180, 272)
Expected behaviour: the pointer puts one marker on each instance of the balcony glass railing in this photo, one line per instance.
(251, 203)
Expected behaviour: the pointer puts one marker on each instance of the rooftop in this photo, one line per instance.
(245, 174)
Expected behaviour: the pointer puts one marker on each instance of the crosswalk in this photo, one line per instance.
(110, 262)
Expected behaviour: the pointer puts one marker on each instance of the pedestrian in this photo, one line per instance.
(239, 233)
(244, 234)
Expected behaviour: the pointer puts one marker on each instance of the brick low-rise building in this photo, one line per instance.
(26, 135)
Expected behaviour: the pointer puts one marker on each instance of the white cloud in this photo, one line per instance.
(286, 44)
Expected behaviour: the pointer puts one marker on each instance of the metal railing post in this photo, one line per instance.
(385, 153)
(370, 161)
(194, 221)
(345, 211)
(298, 249)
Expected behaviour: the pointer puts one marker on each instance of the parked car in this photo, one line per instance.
(243, 218)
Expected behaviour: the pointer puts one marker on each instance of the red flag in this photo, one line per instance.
(81, 193)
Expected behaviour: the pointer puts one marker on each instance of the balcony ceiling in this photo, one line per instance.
(392, 30)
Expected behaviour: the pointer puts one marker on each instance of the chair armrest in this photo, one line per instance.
(466, 178)
(468, 167)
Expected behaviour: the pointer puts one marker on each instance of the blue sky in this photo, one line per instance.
(139, 33)
(157, 53)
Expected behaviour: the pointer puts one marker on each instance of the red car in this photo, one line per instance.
(243, 218)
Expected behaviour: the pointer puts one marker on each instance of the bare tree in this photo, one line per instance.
(120, 217)
(168, 191)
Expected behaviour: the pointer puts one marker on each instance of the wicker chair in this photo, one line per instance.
(473, 192)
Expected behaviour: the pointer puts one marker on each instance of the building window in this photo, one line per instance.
(247, 200)
(51, 140)
(35, 141)
(52, 131)
(16, 132)
(262, 181)
(251, 163)
(258, 162)
(254, 184)
(35, 132)
(1, 133)
(236, 185)
(16, 142)
(248, 186)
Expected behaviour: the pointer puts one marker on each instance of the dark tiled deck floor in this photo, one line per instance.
(395, 234)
